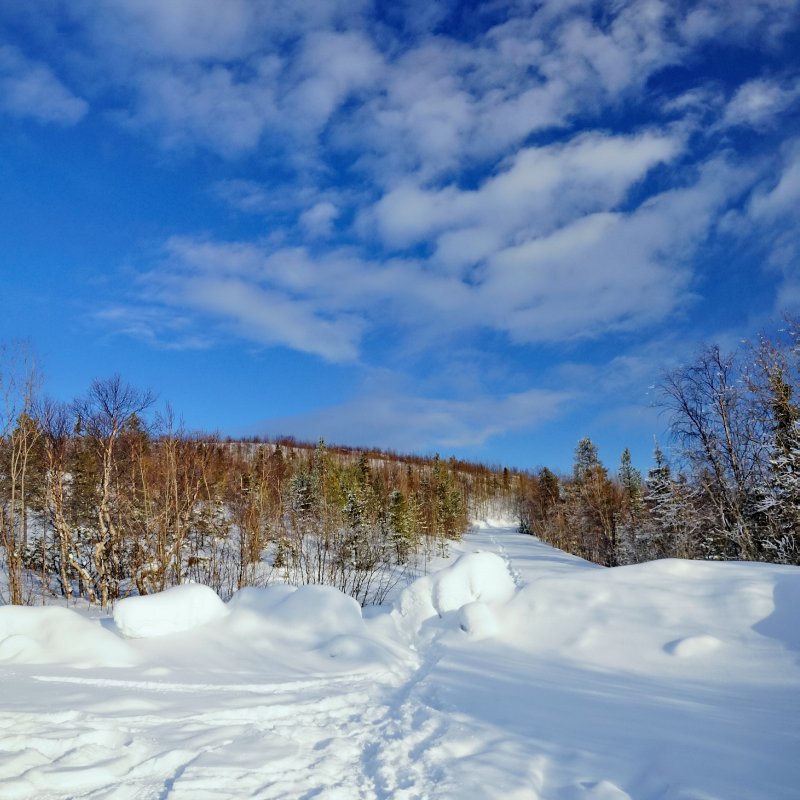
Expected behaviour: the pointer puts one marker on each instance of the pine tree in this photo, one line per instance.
(586, 459)
(631, 517)
(592, 506)
(400, 530)
(673, 519)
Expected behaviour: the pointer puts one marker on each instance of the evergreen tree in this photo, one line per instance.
(631, 516)
(592, 506)
(673, 517)
(400, 530)
(586, 459)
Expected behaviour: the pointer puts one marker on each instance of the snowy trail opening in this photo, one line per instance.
(523, 674)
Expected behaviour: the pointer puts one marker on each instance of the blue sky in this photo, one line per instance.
(480, 229)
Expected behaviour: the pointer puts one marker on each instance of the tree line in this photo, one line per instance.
(731, 489)
(101, 497)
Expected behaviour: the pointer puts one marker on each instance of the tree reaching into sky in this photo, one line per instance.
(19, 433)
(110, 408)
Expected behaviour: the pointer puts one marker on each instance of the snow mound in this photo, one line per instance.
(58, 636)
(311, 613)
(178, 609)
(662, 617)
(260, 600)
(474, 576)
(670, 680)
(478, 620)
(321, 608)
(475, 579)
(310, 619)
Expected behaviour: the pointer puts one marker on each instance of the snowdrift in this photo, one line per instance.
(460, 596)
(178, 609)
(659, 618)
(514, 671)
(59, 636)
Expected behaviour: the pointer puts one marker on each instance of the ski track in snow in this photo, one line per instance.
(435, 725)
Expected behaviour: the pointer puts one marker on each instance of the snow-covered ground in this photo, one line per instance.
(518, 672)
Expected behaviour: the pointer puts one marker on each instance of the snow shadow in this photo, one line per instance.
(782, 623)
(684, 737)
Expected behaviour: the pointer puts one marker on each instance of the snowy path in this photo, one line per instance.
(131, 742)
(670, 681)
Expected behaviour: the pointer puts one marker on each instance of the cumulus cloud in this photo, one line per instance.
(608, 270)
(30, 89)
(538, 189)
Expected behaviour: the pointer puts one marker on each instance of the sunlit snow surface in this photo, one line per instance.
(516, 672)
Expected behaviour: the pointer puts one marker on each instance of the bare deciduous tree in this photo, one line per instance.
(19, 381)
(103, 414)
(711, 418)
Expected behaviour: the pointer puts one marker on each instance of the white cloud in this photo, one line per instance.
(773, 213)
(782, 196)
(759, 103)
(419, 104)
(159, 327)
(261, 315)
(401, 421)
(603, 271)
(212, 107)
(183, 30)
(244, 195)
(186, 31)
(538, 189)
(568, 276)
(318, 220)
(330, 67)
(29, 89)
(762, 22)
(460, 151)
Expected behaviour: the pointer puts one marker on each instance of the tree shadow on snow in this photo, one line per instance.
(782, 623)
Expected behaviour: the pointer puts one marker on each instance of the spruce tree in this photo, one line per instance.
(631, 518)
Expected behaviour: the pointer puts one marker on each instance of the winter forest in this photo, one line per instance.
(730, 488)
(105, 496)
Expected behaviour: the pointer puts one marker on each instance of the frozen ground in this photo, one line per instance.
(516, 673)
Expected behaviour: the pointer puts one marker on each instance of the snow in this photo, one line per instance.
(180, 608)
(465, 590)
(58, 635)
(512, 671)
